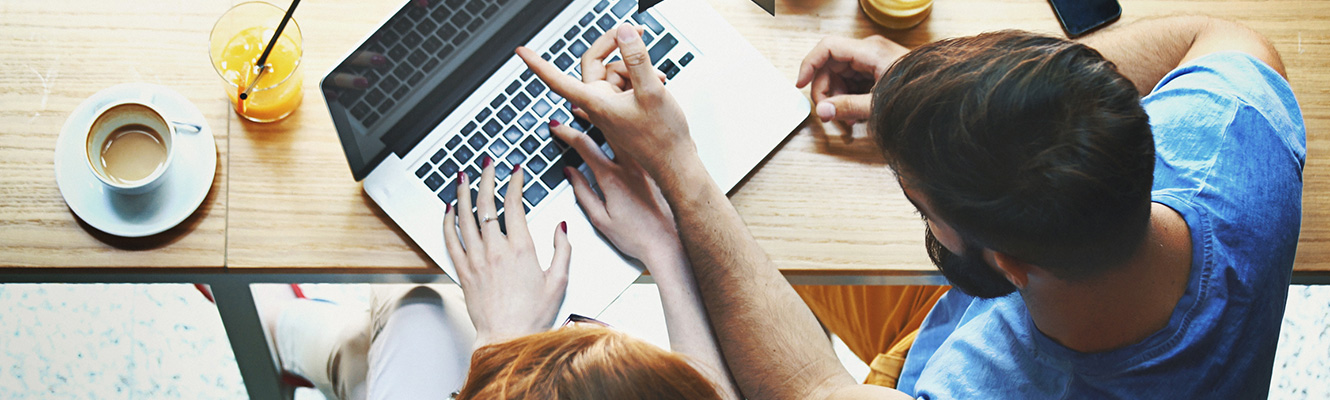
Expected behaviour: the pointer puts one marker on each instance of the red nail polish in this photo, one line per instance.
(450, 208)
(563, 226)
(461, 177)
(572, 106)
(486, 163)
(517, 168)
(554, 123)
(567, 171)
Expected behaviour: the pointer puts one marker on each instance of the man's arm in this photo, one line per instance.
(773, 344)
(1146, 50)
(768, 336)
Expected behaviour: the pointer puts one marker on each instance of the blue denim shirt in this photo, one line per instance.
(1230, 148)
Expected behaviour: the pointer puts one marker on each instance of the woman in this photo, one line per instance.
(512, 301)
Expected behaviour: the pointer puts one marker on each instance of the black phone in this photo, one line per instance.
(1081, 16)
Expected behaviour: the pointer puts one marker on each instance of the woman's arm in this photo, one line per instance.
(686, 319)
(635, 217)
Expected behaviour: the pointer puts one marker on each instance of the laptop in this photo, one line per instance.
(438, 87)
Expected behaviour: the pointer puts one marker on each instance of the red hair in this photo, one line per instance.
(582, 363)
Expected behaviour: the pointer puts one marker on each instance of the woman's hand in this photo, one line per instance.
(633, 214)
(507, 294)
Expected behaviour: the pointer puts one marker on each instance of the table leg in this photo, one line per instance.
(258, 363)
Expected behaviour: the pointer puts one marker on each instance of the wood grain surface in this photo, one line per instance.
(53, 55)
(284, 198)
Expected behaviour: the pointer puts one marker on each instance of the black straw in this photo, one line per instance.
(263, 59)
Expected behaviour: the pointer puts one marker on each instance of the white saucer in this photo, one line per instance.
(187, 179)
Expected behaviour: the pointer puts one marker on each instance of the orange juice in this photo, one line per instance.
(238, 41)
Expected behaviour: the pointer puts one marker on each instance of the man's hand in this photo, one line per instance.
(843, 71)
(640, 119)
(507, 294)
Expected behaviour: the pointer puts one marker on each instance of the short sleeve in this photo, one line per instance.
(1221, 120)
(1230, 143)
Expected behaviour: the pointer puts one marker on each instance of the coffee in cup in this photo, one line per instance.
(129, 146)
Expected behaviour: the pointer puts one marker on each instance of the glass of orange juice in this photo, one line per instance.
(236, 43)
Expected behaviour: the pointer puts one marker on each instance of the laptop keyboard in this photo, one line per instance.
(512, 126)
(417, 39)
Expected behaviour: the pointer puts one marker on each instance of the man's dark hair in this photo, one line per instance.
(1029, 145)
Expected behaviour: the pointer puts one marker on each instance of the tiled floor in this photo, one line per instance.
(166, 341)
(113, 342)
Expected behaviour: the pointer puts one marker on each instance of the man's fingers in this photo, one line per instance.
(848, 108)
(838, 53)
(563, 84)
(635, 56)
(620, 82)
(557, 275)
(616, 73)
(821, 88)
(593, 60)
(816, 58)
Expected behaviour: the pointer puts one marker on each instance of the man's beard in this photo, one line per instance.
(967, 272)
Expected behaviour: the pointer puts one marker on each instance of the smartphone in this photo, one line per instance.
(1081, 16)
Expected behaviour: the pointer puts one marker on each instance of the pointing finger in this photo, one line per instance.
(563, 84)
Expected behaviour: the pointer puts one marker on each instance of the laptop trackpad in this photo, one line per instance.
(738, 122)
(597, 273)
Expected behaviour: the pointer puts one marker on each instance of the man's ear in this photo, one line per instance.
(1016, 271)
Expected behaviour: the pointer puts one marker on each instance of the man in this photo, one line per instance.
(1103, 244)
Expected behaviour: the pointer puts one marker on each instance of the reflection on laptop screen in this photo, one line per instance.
(425, 60)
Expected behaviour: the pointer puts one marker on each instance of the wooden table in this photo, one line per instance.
(283, 198)
(283, 203)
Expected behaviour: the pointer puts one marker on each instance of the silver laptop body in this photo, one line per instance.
(437, 87)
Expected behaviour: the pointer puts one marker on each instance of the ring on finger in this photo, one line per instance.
(487, 219)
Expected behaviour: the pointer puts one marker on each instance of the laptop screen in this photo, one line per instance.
(413, 72)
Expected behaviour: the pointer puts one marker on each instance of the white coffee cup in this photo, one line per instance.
(129, 146)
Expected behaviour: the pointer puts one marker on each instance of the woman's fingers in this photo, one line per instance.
(580, 113)
(512, 201)
(466, 220)
(485, 208)
(557, 275)
(454, 245)
(584, 146)
(587, 198)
